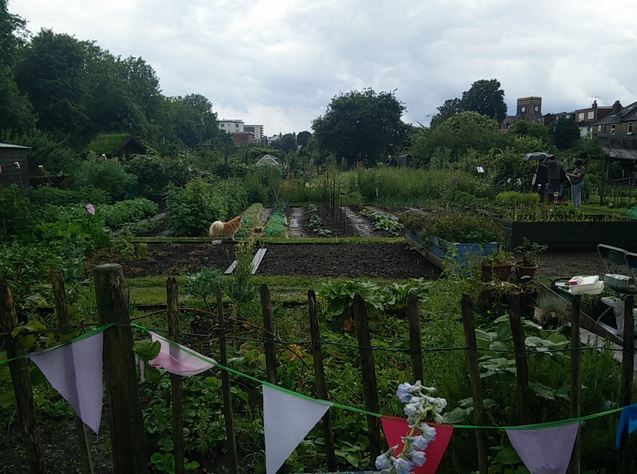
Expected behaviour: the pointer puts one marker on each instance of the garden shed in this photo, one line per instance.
(268, 160)
(13, 165)
(116, 144)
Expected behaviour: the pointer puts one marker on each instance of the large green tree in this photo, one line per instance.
(189, 120)
(361, 125)
(447, 110)
(15, 109)
(486, 98)
(565, 133)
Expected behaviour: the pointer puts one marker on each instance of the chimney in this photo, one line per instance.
(617, 107)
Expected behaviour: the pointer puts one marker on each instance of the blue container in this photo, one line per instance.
(462, 252)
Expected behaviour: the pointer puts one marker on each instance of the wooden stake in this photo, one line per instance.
(628, 363)
(319, 377)
(128, 445)
(468, 322)
(225, 388)
(268, 327)
(64, 325)
(172, 297)
(521, 366)
(21, 381)
(576, 378)
(415, 344)
(368, 370)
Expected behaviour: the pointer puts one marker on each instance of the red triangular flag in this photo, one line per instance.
(394, 428)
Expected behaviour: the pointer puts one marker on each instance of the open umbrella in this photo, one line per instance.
(537, 155)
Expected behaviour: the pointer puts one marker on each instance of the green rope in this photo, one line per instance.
(81, 337)
(548, 424)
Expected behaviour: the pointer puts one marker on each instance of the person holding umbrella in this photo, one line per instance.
(555, 174)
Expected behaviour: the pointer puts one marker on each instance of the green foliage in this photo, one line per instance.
(513, 198)
(235, 194)
(263, 184)
(565, 133)
(302, 191)
(61, 197)
(277, 225)
(156, 174)
(458, 227)
(15, 211)
(106, 174)
(467, 130)
(383, 221)
(314, 222)
(251, 218)
(124, 212)
(239, 286)
(193, 209)
(361, 125)
(204, 284)
(486, 98)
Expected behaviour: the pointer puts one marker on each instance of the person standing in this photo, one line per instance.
(555, 172)
(577, 181)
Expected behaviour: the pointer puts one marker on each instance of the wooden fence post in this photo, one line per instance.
(21, 381)
(468, 322)
(268, 335)
(521, 365)
(415, 344)
(125, 415)
(576, 377)
(225, 388)
(628, 362)
(64, 326)
(368, 370)
(172, 297)
(319, 377)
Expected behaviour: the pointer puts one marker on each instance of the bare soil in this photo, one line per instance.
(352, 260)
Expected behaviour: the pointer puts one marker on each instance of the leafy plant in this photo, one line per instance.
(530, 251)
(383, 221)
(277, 225)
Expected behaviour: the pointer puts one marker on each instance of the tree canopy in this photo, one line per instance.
(361, 125)
(484, 96)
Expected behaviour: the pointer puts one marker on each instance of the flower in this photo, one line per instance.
(384, 460)
(403, 392)
(402, 466)
(419, 442)
(427, 432)
(418, 458)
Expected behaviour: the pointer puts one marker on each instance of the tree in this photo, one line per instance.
(524, 128)
(15, 110)
(287, 143)
(303, 138)
(361, 125)
(52, 75)
(457, 135)
(188, 120)
(486, 98)
(565, 133)
(447, 110)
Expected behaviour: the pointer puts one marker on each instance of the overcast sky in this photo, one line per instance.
(279, 62)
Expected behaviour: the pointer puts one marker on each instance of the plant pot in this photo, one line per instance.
(496, 271)
(522, 270)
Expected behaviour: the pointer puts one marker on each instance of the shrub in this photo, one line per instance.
(60, 197)
(236, 195)
(277, 225)
(263, 185)
(193, 209)
(154, 174)
(108, 175)
(15, 211)
(513, 198)
(124, 212)
(458, 227)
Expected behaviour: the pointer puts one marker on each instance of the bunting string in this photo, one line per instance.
(357, 410)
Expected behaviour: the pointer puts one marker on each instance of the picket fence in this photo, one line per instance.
(120, 373)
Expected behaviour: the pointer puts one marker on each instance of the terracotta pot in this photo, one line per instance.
(522, 270)
(496, 271)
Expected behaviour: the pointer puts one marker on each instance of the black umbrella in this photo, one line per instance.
(537, 155)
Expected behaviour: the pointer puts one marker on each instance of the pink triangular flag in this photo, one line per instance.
(395, 428)
(75, 370)
(545, 450)
(287, 419)
(178, 359)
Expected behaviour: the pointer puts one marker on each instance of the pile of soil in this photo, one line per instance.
(351, 260)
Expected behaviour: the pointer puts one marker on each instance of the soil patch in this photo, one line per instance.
(297, 222)
(351, 260)
(567, 264)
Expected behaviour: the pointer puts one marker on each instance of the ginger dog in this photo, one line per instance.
(227, 229)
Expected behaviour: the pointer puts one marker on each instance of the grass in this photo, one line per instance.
(107, 142)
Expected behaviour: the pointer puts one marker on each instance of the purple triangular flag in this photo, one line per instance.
(75, 370)
(545, 450)
(178, 359)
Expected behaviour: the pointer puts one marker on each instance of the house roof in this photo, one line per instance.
(621, 153)
(626, 114)
(19, 147)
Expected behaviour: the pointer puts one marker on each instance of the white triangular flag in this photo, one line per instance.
(75, 370)
(287, 419)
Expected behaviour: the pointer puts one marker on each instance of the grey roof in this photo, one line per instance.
(621, 153)
(7, 145)
(626, 114)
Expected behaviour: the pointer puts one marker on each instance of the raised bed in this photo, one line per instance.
(572, 235)
(437, 250)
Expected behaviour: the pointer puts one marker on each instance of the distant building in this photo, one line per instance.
(550, 119)
(243, 138)
(529, 108)
(616, 133)
(231, 126)
(14, 167)
(256, 130)
(585, 118)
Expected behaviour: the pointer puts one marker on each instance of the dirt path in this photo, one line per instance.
(297, 222)
(362, 225)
